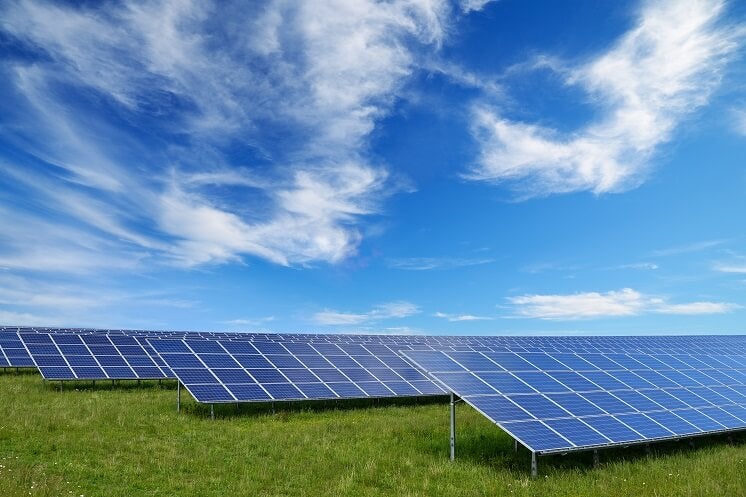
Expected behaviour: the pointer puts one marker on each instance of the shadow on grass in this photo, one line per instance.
(110, 385)
(286, 408)
(495, 449)
(20, 371)
(483, 443)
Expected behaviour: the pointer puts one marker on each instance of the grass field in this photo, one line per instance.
(128, 440)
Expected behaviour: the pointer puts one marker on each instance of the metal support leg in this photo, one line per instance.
(515, 445)
(178, 396)
(595, 459)
(453, 428)
(647, 449)
(691, 444)
(212, 411)
(534, 466)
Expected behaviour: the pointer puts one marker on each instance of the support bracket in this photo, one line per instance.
(534, 466)
(453, 427)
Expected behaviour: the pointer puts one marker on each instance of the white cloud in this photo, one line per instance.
(473, 5)
(625, 302)
(428, 263)
(83, 301)
(697, 308)
(320, 75)
(664, 68)
(10, 318)
(330, 317)
(463, 77)
(390, 310)
(737, 265)
(640, 265)
(250, 321)
(731, 268)
(457, 318)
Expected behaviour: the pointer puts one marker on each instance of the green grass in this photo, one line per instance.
(128, 440)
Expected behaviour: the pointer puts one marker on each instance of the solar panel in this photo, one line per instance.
(216, 371)
(13, 353)
(96, 356)
(602, 400)
(650, 345)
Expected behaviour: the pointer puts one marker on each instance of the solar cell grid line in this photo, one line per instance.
(632, 412)
(525, 344)
(13, 353)
(218, 371)
(89, 357)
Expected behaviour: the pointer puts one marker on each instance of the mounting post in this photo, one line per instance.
(212, 411)
(178, 396)
(515, 445)
(453, 428)
(534, 466)
(595, 458)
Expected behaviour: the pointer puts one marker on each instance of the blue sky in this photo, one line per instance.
(426, 166)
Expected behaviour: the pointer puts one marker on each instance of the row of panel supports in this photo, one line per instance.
(534, 463)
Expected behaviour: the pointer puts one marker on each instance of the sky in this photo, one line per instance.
(451, 167)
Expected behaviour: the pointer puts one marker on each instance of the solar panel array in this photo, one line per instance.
(216, 371)
(718, 343)
(13, 353)
(97, 356)
(558, 402)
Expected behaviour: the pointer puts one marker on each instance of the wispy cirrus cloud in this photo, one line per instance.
(458, 318)
(688, 248)
(12, 318)
(735, 264)
(389, 310)
(618, 303)
(430, 263)
(649, 266)
(34, 300)
(645, 85)
(250, 321)
(739, 121)
(470, 5)
(319, 75)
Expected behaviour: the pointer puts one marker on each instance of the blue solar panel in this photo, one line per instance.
(260, 371)
(13, 353)
(602, 399)
(90, 357)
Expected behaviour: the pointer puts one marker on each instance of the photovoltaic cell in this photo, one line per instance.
(90, 357)
(598, 398)
(229, 371)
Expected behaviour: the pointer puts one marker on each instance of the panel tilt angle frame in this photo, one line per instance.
(452, 440)
(178, 401)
